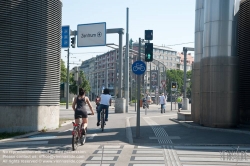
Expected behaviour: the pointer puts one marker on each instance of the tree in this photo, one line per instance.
(189, 88)
(175, 76)
(63, 72)
(84, 83)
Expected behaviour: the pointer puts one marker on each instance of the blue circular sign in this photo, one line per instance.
(138, 67)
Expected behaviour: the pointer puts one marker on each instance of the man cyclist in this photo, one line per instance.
(105, 102)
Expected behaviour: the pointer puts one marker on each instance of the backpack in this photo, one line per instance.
(179, 99)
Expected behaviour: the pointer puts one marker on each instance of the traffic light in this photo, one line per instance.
(148, 52)
(73, 40)
(148, 34)
(173, 85)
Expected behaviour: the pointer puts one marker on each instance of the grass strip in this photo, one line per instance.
(9, 135)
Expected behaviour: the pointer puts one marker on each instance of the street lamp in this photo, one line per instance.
(67, 89)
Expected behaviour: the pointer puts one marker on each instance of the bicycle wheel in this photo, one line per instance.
(74, 139)
(102, 120)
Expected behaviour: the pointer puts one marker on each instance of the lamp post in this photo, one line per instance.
(67, 89)
(185, 100)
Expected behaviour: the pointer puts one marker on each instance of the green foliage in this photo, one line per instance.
(176, 75)
(85, 83)
(63, 72)
(189, 76)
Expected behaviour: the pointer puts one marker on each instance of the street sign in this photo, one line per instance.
(65, 35)
(138, 67)
(89, 35)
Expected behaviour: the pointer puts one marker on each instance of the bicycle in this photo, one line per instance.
(102, 119)
(77, 134)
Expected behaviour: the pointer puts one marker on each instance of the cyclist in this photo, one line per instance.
(105, 102)
(97, 102)
(80, 110)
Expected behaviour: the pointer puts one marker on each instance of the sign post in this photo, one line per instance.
(138, 67)
(65, 35)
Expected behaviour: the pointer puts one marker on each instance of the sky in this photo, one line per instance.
(172, 22)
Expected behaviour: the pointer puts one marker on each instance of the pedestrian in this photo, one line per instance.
(163, 103)
(97, 102)
(148, 99)
(179, 101)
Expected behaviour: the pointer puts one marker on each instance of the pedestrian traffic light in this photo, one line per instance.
(148, 52)
(73, 39)
(148, 34)
(173, 85)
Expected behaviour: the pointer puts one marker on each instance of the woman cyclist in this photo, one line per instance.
(80, 110)
(105, 102)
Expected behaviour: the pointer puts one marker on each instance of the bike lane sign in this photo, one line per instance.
(138, 67)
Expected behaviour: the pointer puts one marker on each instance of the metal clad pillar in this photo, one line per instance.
(199, 27)
(219, 65)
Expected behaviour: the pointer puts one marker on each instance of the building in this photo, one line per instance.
(190, 60)
(101, 71)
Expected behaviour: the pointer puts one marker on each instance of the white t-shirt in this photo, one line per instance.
(162, 100)
(105, 98)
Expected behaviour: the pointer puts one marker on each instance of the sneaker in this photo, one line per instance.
(98, 124)
(106, 119)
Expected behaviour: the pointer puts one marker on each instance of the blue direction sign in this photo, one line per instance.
(65, 36)
(138, 67)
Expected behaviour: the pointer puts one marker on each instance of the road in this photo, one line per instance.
(161, 142)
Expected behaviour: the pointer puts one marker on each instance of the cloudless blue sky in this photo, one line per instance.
(172, 21)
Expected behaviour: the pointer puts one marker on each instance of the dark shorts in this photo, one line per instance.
(81, 114)
(163, 106)
(179, 105)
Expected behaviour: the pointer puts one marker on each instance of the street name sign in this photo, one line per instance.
(65, 35)
(138, 67)
(90, 35)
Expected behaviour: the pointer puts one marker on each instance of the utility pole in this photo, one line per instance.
(67, 89)
(138, 95)
(126, 78)
(106, 82)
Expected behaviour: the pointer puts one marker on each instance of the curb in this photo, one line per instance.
(128, 131)
(208, 128)
(20, 136)
(66, 123)
(32, 133)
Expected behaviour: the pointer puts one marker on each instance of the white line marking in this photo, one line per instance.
(129, 131)
(92, 136)
(146, 151)
(149, 158)
(107, 151)
(103, 158)
(146, 147)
